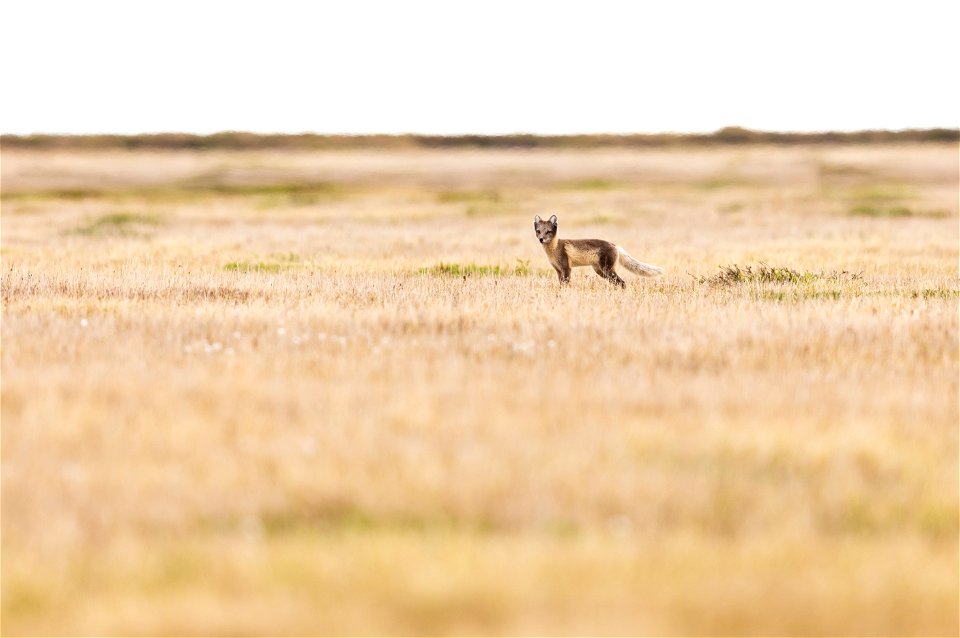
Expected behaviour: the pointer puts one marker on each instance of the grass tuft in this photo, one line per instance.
(521, 269)
(935, 293)
(765, 274)
(278, 263)
(260, 266)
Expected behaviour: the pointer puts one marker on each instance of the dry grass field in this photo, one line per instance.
(343, 393)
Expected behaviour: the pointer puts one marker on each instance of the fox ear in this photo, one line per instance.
(553, 219)
(537, 220)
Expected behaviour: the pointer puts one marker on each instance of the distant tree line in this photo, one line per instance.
(234, 140)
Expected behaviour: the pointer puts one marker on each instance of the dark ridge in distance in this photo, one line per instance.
(236, 140)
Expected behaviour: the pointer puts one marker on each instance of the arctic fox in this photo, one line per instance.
(565, 254)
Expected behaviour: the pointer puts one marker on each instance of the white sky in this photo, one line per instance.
(477, 67)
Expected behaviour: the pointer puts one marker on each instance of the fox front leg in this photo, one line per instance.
(563, 268)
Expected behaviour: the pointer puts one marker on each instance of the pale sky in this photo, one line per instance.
(477, 67)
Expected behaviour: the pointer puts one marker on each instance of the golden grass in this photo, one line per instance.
(236, 405)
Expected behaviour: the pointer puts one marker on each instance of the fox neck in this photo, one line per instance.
(551, 247)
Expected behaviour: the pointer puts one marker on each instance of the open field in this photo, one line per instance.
(342, 392)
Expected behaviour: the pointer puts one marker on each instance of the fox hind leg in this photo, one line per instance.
(611, 276)
(605, 268)
(615, 279)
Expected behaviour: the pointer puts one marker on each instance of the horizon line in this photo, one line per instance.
(516, 133)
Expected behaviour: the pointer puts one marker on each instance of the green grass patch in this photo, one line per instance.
(284, 192)
(888, 192)
(844, 173)
(720, 182)
(28, 595)
(121, 223)
(339, 518)
(936, 293)
(829, 295)
(55, 193)
(275, 264)
(889, 200)
(485, 210)
(289, 189)
(449, 197)
(258, 266)
(869, 210)
(603, 218)
(477, 202)
(731, 207)
(734, 275)
(881, 211)
(591, 184)
(276, 195)
(521, 269)
(800, 294)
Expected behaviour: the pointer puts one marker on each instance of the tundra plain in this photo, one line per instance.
(342, 392)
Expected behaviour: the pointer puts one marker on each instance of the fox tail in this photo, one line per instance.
(637, 267)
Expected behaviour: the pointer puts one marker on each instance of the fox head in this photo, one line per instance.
(546, 230)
